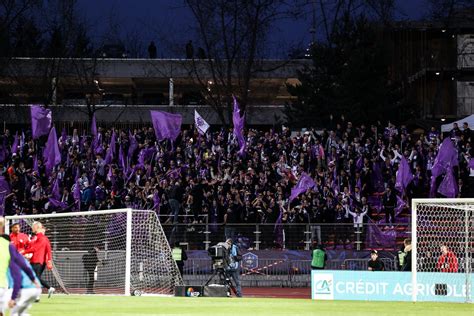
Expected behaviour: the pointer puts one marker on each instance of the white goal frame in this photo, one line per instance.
(128, 240)
(467, 259)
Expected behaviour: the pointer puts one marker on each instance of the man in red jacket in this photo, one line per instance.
(40, 247)
(18, 239)
(447, 262)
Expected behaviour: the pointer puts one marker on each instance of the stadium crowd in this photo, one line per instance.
(204, 174)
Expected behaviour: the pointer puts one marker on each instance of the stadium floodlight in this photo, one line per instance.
(443, 248)
(121, 251)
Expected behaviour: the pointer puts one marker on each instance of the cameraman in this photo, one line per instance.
(233, 268)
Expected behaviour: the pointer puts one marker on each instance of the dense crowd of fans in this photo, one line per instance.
(204, 174)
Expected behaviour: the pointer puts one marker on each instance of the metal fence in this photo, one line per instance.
(200, 236)
(277, 272)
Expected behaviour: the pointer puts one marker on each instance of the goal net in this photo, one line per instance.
(443, 246)
(107, 252)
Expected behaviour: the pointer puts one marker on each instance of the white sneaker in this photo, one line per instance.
(51, 291)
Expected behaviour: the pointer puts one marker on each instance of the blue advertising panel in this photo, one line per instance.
(388, 286)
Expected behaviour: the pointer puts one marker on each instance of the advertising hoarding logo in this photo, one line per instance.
(322, 285)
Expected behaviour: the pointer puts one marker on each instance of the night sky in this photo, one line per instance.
(169, 24)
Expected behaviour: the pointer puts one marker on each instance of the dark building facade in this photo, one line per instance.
(126, 89)
(435, 63)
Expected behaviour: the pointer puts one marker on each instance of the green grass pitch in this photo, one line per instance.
(118, 306)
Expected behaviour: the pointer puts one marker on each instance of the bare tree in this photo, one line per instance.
(232, 35)
(445, 10)
(40, 79)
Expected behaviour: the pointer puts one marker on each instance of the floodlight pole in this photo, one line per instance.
(171, 92)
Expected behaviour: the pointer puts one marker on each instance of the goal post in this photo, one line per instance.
(442, 233)
(122, 251)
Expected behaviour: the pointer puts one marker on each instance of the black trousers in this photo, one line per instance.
(389, 215)
(90, 281)
(38, 268)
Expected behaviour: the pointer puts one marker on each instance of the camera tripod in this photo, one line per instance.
(224, 279)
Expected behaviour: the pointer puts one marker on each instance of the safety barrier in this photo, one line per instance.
(201, 235)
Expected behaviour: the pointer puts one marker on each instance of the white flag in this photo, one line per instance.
(201, 125)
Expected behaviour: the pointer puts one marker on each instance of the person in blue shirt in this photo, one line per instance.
(11, 260)
(28, 293)
(233, 268)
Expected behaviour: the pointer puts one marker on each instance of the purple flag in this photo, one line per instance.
(40, 120)
(304, 183)
(360, 163)
(404, 175)
(77, 195)
(22, 141)
(4, 186)
(376, 237)
(238, 121)
(51, 154)
(156, 202)
(111, 151)
(148, 171)
(35, 164)
(166, 125)
(447, 157)
(471, 163)
(278, 230)
(93, 126)
(401, 204)
(448, 186)
(2, 202)
(132, 145)
(145, 155)
(57, 203)
(122, 159)
(3, 153)
(15, 144)
(4, 191)
(55, 194)
(97, 144)
(77, 174)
